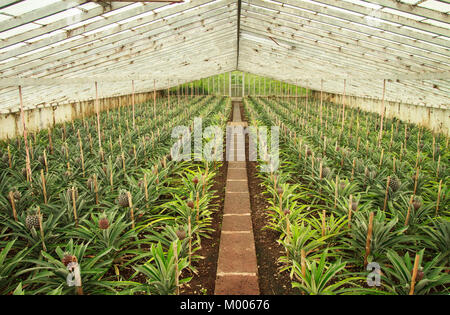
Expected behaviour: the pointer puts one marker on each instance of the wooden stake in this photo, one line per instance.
(9, 157)
(96, 189)
(381, 157)
(13, 205)
(387, 192)
(416, 180)
(190, 238)
(41, 228)
(353, 169)
(408, 213)
(303, 262)
(324, 222)
(81, 151)
(438, 164)
(74, 205)
(336, 191)
(197, 202)
(145, 188)
(350, 211)
(369, 238)
(44, 190)
(414, 275)
(177, 284)
(50, 139)
(130, 204)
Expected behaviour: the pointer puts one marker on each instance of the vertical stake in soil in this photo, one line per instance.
(130, 204)
(41, 228)
(74, 205)
(409, 210)
(97, 109)
(175, 252)
(190, 238)
(44, 190)
(13, 205)
(350, 201)
(414, 274)
(369, 239)
(387, 193)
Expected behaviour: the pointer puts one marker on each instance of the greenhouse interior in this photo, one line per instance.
(225, 148)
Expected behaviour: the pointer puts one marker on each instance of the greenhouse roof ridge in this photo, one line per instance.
(56, 49)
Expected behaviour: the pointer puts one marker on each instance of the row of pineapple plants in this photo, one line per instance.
(104, 198)
(336, 210)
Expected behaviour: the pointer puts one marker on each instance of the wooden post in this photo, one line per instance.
(13, 205)
(9, 157)
(123, 163)
(303, 262)
(381, 157)
(434, 146)
(336, 191)
(408, 213)
(416, 179)
(175, 252)
(350, 201)
(97, 109)
(387, 192)
(438, 165)
(44, 190)
(197, 202)
(81, 151)
(324, 222)
(130, 204)
(414, 275)
(369, 238)
(25, 137)
(50, 139)
(74, 205)
(41, 228)
(96, 188)
(353, 169)
(190, 238)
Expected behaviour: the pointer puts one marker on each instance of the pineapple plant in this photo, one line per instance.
(394, 183)
(122, 200)
(181, 234)
(103, 223)
(32, 220)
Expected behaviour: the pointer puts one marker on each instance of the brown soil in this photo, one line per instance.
(271, 280)
(204, 281)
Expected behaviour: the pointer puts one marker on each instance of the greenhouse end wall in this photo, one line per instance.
(436, 119)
